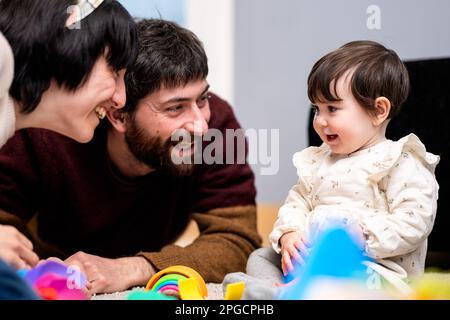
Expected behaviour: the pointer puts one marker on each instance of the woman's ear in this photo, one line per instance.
(118, 119)
(382, 110)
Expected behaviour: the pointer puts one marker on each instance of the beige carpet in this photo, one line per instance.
(214, 293)
(215, 289)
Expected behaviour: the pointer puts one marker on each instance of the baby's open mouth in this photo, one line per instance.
(331, 137)
(101, 112)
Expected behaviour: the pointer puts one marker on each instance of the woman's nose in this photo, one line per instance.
(119, 97)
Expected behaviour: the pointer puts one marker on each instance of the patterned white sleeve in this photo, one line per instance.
(292, 216)
(411, 192)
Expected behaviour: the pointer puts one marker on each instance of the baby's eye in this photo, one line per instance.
(315, 109)
(332, 109)
(202, 101)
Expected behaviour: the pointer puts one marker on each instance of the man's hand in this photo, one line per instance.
(15, 249)
(291, 244)
(111, 275)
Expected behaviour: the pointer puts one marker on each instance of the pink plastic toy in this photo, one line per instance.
(56, 281)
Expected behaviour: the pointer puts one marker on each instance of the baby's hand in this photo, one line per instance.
(291, 243)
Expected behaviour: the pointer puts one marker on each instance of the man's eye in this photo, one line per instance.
(202, 101)
(175, 109)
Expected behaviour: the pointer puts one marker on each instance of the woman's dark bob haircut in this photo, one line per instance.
(45, 49)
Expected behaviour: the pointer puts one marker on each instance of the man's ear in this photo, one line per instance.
(118, 119)
(382, 110)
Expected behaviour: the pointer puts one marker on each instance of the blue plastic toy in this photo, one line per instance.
(335, 254)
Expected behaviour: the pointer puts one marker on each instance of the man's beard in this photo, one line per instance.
(154, 152)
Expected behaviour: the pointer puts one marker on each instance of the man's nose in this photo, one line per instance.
(198, 124)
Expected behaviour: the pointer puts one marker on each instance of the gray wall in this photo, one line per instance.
(278, 41)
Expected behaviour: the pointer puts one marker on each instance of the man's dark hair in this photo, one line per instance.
(45, 49)
(169, 56)
(378, 72)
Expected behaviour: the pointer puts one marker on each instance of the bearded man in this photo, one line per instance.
(117, 205)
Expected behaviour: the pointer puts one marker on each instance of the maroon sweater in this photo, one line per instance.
(85, 204)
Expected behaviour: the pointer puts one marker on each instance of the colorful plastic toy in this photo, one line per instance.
(180, 281)
(189, 289)
(168, 283)
(431, 286)
(235, 291)
(149, 295)
(55, 281)
(335, 255)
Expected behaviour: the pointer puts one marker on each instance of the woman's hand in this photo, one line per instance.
(15, 249)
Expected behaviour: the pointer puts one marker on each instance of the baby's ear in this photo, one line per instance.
(382, 110)
(118, 119)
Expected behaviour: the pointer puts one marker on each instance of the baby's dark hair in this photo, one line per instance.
(378, 72)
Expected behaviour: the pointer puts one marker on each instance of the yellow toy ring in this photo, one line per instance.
(181, 270)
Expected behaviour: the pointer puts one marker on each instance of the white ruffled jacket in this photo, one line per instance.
(389, 189)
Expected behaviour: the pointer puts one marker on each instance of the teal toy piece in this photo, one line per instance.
(148, 295)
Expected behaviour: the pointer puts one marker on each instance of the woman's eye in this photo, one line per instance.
(115, 73)
(202, 101)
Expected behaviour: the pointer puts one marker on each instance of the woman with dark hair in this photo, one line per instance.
(70, 58)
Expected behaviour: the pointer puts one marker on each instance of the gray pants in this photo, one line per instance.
(263, 271)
